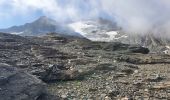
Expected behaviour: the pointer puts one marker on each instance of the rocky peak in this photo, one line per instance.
(45, 20)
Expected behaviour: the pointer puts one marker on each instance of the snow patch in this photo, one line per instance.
(17, 33)
(168, 47)
(123, 36)
(86, 28)
(167, 51)
(112, 34)
(79, 26)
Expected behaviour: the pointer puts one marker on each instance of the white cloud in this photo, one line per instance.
(138, 16)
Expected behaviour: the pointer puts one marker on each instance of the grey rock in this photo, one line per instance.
(57, 72)
(113, 93)
(117, 46)
(105, 66)
(155, 78)
(19, 85)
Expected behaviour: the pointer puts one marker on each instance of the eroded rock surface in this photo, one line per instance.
(80, 69)
(19, 85)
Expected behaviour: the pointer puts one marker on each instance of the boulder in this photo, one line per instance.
(42, 52)
(161, 85)
(138, 49)
(105, 66)
(56, 72)
(117, 46)
(19, 85)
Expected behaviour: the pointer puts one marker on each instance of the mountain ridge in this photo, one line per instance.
(96, 30)
(40, 26)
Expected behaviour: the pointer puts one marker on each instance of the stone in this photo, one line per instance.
(120, 74)
(128, 71)
(125, 98)
(57, 73)
(92, 89)
(116, 46)
(19, 85)
(136, 71)
(105, 66)
(154, 78)
(138, 49)
(161, 85)
(64, 96)
(113, 93)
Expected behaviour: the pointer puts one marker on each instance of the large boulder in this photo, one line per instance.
(19, 85)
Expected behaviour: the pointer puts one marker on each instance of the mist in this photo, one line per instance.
(140, 16)
(133, 16)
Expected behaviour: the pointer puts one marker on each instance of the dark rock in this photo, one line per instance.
(57, 72)
(49, 53)
(116, 46)
(56, 37)
(155, 78)
(61, 75)
(48, 97)
(19, 85)
(92, 47)
(138, 49)
(4, 37)
(82, 61)
(105, 66)
(128, 71)
(132, 66)
(113, 93)
(138, 83)
(143, 59)
(92, 89)
(130, 59)
(44, 52)
(117, 75)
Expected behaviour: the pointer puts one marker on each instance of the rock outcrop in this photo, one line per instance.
(57, 73)
(19, 85)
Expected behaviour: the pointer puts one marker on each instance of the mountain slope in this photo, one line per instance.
(40, 26)
(105, 30)
(97, 30)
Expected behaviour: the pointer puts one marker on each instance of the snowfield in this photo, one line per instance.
(94, 31)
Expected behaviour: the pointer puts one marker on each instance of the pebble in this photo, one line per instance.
(64, 96)
(107, 98)
(136, 71)
(125, 98)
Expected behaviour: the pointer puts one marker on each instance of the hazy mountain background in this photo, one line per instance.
(98, 29)
(40, 26)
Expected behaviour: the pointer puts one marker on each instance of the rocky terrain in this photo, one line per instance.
(54, 67)
(108, 31)
(97, 29)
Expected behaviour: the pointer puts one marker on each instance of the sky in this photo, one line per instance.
(18, 12)
(134, 16)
